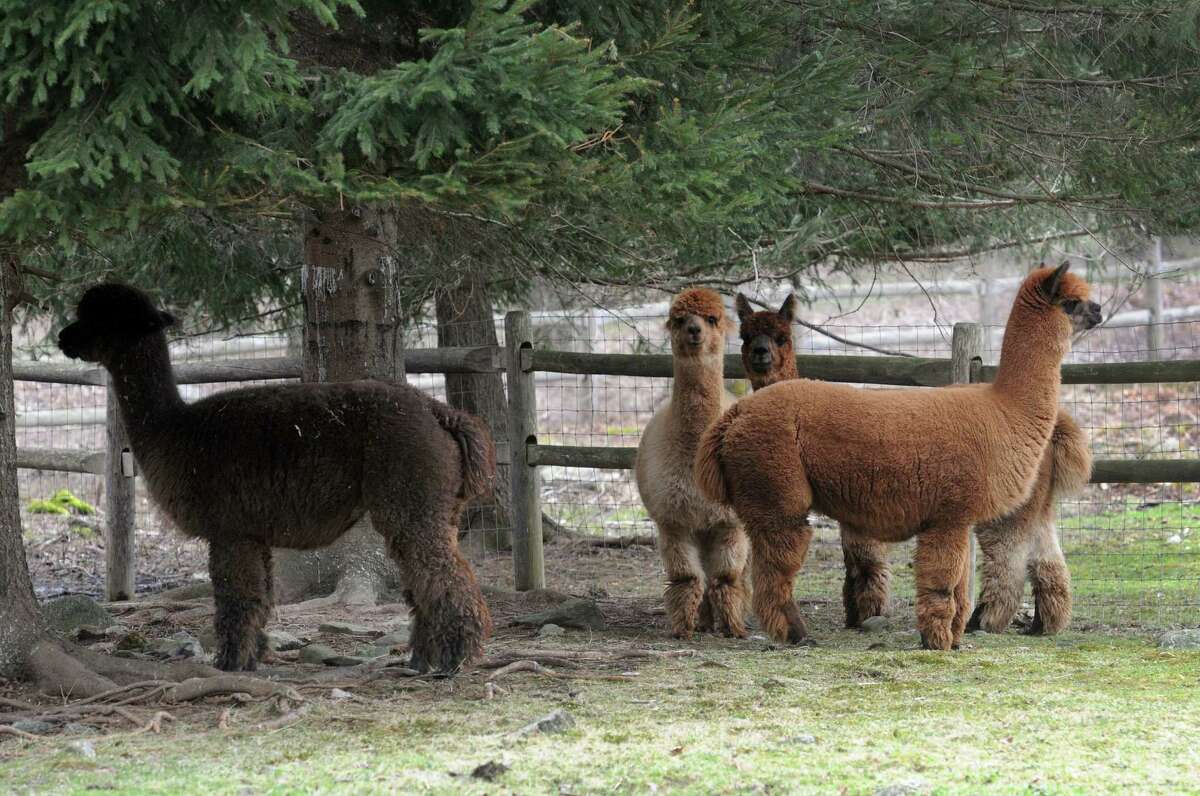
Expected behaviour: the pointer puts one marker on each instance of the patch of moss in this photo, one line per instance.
(63, 502)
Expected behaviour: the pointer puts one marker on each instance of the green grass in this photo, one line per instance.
(1076, 714)
(1139, 562)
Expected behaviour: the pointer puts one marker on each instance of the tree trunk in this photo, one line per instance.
(464, 318)
(353, 330)
(20, 620)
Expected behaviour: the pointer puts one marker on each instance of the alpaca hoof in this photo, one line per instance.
(447, 651)
(936, 644)
(681, 635)
(797, 634)
(973, 624)
(1035, 627)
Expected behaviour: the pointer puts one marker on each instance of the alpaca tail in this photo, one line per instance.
(1072, 460)
(710, 475)
(478, 451)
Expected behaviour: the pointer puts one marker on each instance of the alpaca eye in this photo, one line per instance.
(1070, 305)
(712, 320)
(781, 341)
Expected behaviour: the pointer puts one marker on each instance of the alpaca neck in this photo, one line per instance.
(697, 391)
(145, 385)
(785, 373)
(1031, 357)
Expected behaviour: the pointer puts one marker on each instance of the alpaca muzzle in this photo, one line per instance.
(70, 341)
(1085, 315)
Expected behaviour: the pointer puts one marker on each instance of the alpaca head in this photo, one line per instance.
(110, 318)
(697, 323)
(767, 352)
(1068, 292)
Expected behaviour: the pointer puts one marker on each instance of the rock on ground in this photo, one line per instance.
(73, 611)
(1180, 639)
(876, 624)
(577, 613)
(556, 721)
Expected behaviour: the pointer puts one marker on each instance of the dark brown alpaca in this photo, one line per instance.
(769, 356)
(1023, 543)
(894, 464)
(295, 466)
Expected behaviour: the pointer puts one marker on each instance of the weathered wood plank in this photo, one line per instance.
(61, 460)
(529, 568)
(1140, 471)
(1145, 471)
(120, 507)
(902, 371)
(1121, 372)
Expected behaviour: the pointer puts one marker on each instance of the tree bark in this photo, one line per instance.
(20, 620)
(353, 330)
(464, 318)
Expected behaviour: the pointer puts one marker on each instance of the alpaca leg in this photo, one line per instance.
(779, 550)
(725, 552)
(865, 589)
(939, 565)
(685, 581)
(268, 603)
(962, 600)
(1005, 552)
(239, 590)
(450, 618)
(1051, 585)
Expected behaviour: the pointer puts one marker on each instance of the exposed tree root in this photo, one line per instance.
(199, 687)
(578, 657)
(59, 674)
(6, 730)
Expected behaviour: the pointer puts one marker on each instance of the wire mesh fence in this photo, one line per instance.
(1134, 550)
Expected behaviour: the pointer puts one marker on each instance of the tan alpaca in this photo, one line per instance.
(1025, 540)
(702, 543)
(893, 464)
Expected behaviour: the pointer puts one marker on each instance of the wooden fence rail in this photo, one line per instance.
(521, 360)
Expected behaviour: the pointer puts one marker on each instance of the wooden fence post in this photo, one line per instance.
(528, 562)
(1154, 301)
(119, 503)
(966, 348)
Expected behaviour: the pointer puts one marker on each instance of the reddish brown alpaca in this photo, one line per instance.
(897, 463)
(1024, 542)
(702, 543)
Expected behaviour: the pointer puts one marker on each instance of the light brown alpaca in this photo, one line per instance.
(702, 543)
(893, 464)
(1024, 540)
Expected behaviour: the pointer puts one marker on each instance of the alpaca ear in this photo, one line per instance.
(788, 309)
(1049, 286)
(744, 310)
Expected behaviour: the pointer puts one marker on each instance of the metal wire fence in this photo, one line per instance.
(1134, 550)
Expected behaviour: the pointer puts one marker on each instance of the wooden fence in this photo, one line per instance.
(520, 359)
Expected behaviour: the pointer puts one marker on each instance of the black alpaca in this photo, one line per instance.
(295, 466)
